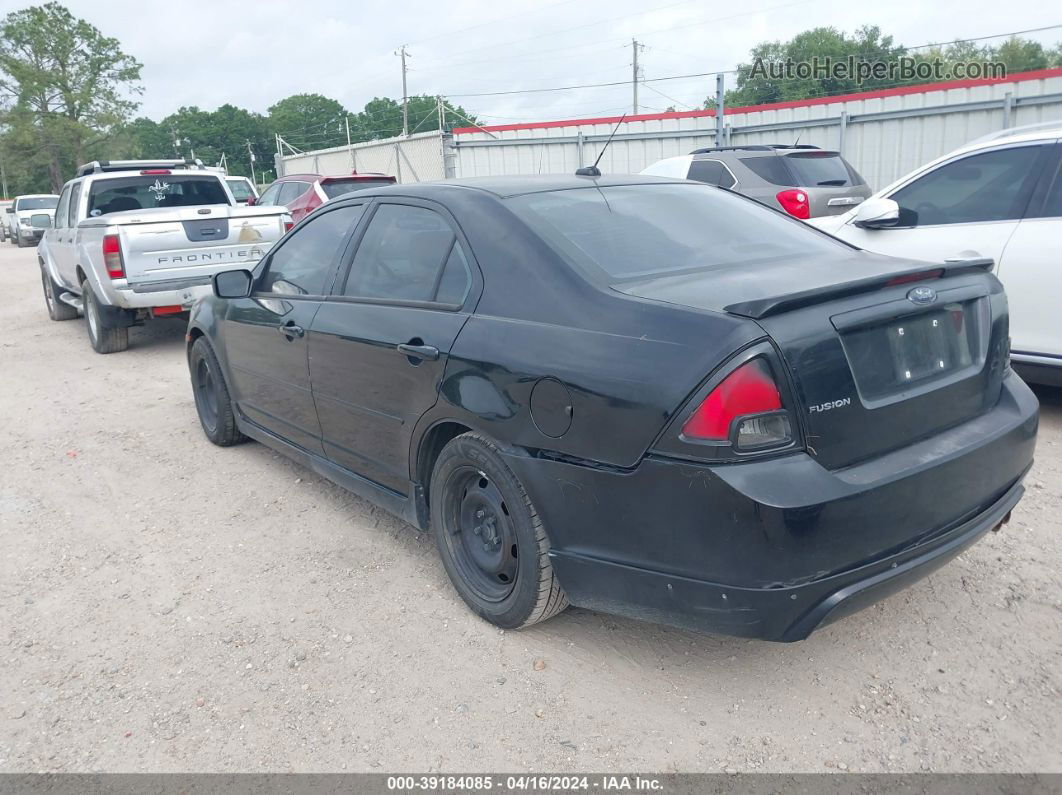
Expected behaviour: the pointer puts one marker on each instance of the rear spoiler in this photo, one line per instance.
(764, 307)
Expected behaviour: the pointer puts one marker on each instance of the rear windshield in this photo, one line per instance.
(333, 189)
(804, 169)
(641, 231)
(37, 203)
(144, 192)
(240, 189)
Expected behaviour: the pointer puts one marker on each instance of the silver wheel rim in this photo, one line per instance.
(90, 315)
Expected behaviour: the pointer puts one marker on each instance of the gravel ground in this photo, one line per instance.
(167, 605)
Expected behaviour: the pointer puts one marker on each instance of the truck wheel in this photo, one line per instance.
(57, 310)
(18, 240)
(213, 403)
(490, 537)
(104, 339)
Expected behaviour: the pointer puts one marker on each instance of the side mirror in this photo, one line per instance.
(233, 284)
(10, 209)
(877, 214)
(251, 201)
(41, 221)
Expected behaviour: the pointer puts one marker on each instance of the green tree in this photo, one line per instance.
(1021, 55)
(67, 84)
(755, 88)
(309, 121)
(382, 117)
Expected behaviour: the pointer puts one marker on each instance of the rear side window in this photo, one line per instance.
(303, 265)
(290, 191)
(333, 189)
(821, 169)
(144, 192)
(990, 186)
(771, 168)
(408, 254)
(712, 172)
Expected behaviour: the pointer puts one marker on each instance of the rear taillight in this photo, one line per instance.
(795, 202)
(915, 277)
(112, 257)
(288, 225)
(745, 408)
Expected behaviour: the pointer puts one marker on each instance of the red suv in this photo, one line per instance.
(304, 193)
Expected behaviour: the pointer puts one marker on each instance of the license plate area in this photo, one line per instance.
(898, 357)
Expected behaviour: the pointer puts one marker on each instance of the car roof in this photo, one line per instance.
(506, 187)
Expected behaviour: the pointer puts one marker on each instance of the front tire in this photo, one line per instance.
(104, 339)
(213, 403)
(491, 540)
(18, 240)
(57, 310)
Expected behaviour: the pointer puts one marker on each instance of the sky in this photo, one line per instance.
(252, 53)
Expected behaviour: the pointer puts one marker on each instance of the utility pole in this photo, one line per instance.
(635, 72)
(251, 153)
(3, 179)
(401, 52)
(719, 109)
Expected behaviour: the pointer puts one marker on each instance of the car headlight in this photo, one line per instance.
(24, 221)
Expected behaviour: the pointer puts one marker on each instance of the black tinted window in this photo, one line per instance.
(771, 168)
(402, 258)
(303, 265)
(147, 191)
(825, 169)
(712, 172)
(333, 189)
(991, 186)
(1053, 200)
(634, 231)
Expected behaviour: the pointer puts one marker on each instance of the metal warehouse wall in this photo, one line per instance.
(418, 158)
(884, 134)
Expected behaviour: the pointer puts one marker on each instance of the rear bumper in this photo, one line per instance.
(773, 549)
(144, 296)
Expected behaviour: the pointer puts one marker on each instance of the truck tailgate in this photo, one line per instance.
(162, 244)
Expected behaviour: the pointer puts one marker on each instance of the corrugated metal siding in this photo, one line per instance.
(418, 158)
(928, 124)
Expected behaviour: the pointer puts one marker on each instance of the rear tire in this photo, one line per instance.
(18, 240)
(213, 403)
(491, 540)
(104, 339)
(57, 310)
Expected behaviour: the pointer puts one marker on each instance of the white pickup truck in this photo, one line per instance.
(137, 239)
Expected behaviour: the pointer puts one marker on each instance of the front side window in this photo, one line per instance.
(144, 192)
(641, 231)
(75, 200)
(61, 209)
(990, 186)
(408, 254)
(303, 265)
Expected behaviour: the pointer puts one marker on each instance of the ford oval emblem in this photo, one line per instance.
(922, 295)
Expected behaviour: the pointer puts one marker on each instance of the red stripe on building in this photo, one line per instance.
(922, 88)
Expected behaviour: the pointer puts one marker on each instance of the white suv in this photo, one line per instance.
(1000, 197)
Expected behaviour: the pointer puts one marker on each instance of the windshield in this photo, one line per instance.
(37, 203)
(144, 192)
(641, 231)
(821, 168)
(240, 189)
(333, 189)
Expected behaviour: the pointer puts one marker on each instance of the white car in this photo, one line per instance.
(28, 217)
(999, 197)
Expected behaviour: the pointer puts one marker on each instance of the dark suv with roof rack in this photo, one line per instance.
(804, 181)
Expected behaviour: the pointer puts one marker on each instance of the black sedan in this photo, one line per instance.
(642, 396)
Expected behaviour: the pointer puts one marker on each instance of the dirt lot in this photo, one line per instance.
(166, 605)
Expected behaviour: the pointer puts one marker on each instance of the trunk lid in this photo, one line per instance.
(160, 243)
(881, 352)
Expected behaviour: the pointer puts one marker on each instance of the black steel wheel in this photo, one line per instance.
(213, 402)
(491, 540)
